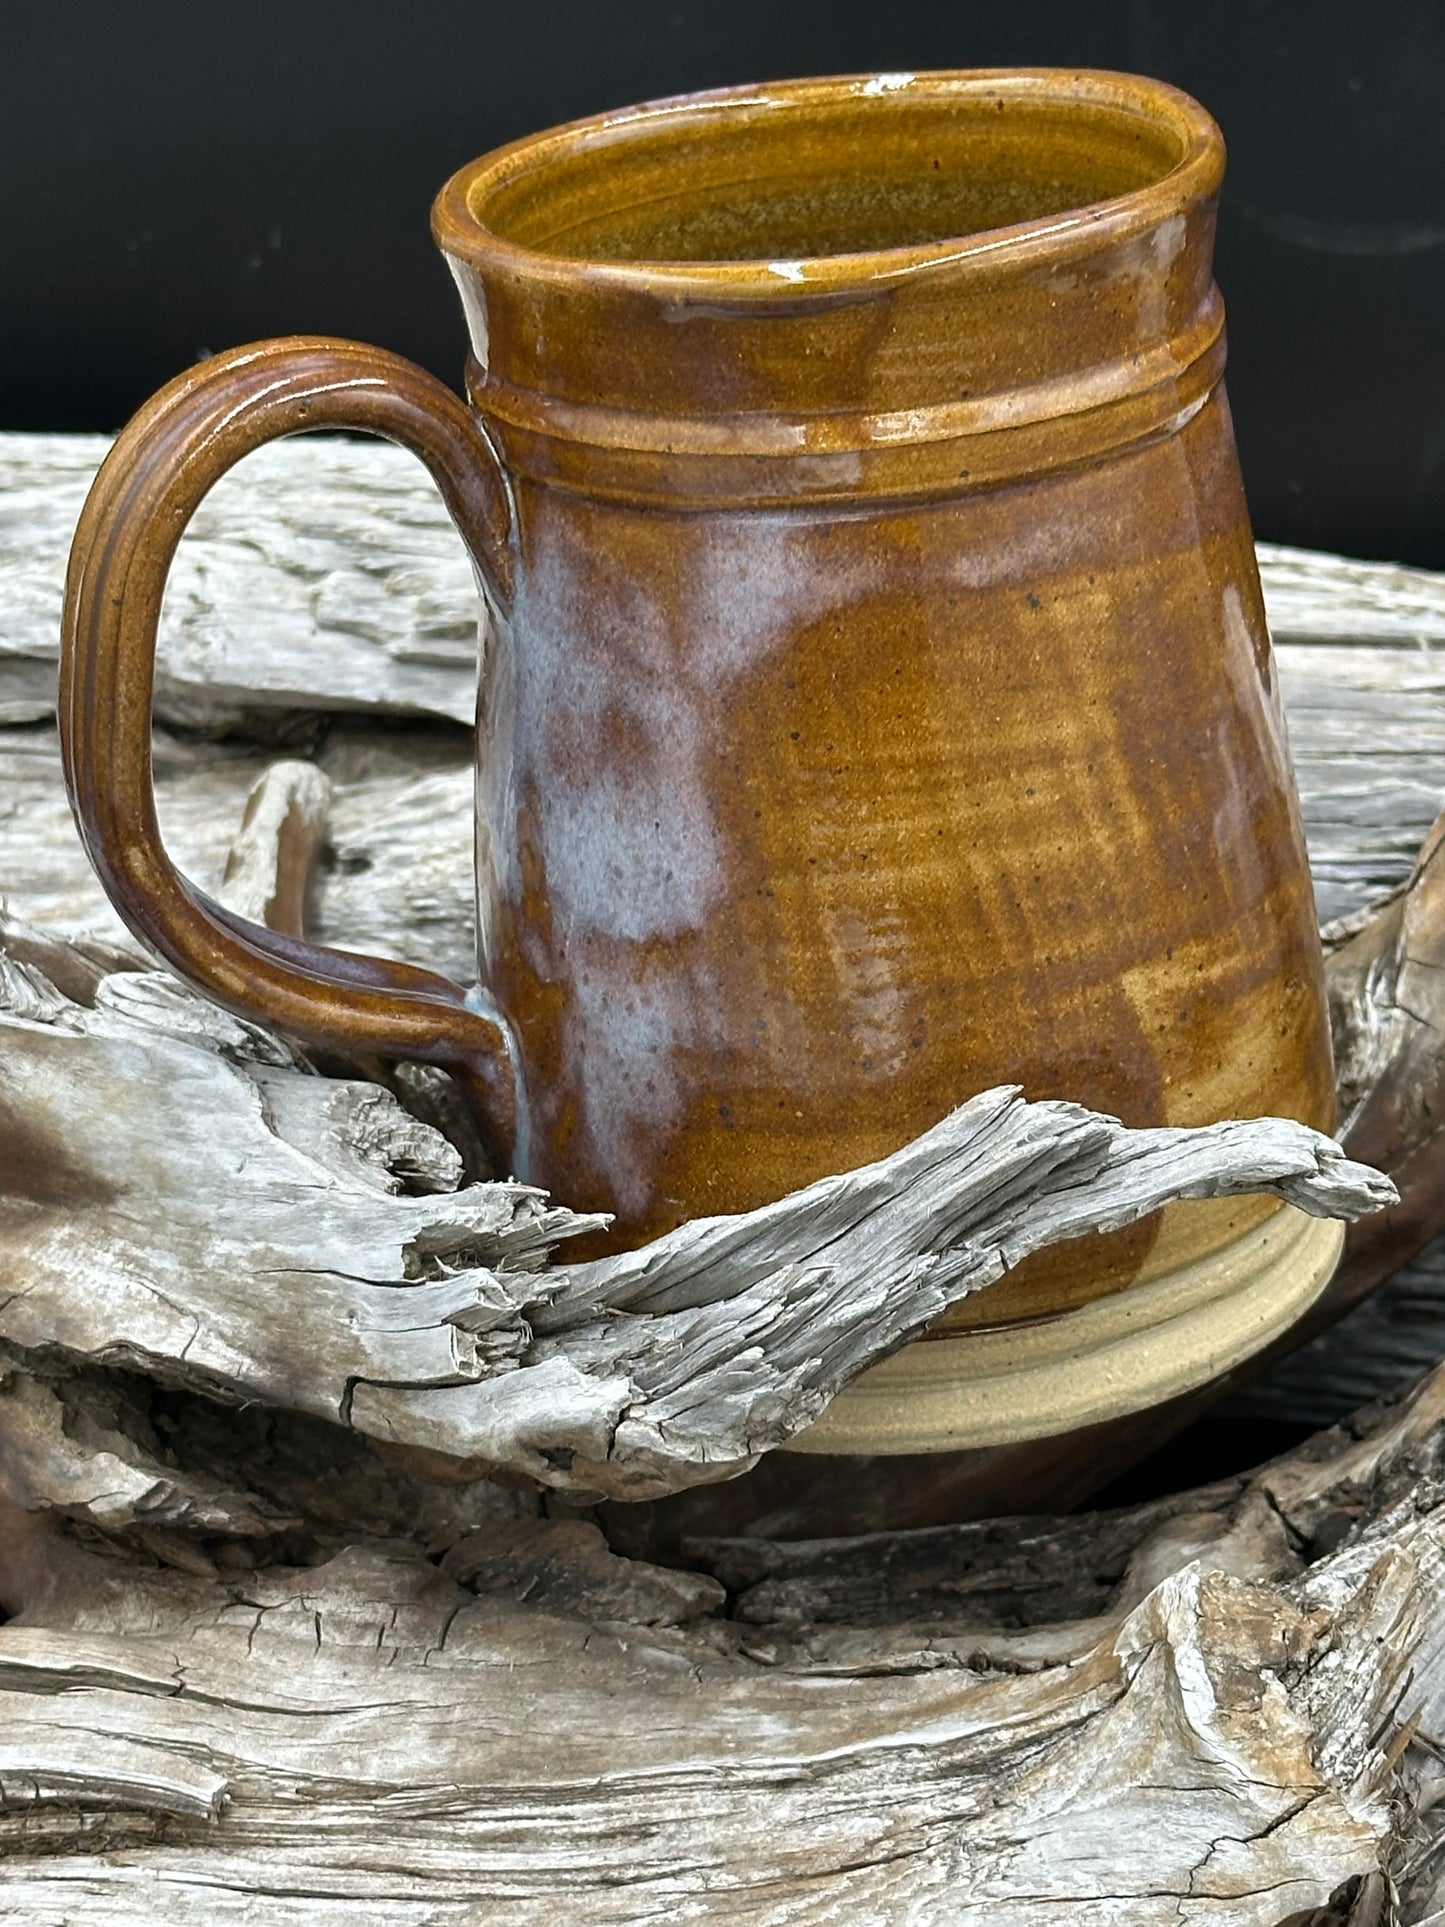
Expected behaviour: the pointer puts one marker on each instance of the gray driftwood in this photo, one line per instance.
(310, 1249)
(278, 1650)
(323, 578)
(1214, 1709)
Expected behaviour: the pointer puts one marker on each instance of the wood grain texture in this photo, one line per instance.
(266, 1665)
(320, 576)
(1220, 1709)
(270, 864)
(1357, 644)
(424, 1313)
(323, 578)
(310, 529)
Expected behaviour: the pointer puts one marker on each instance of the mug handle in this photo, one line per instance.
(166, 459)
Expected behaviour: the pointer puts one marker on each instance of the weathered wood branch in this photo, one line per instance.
(1218, 1708)
(311, 1249)
(323, 578)
(323, 575)
(280, 1653)
(271, 863)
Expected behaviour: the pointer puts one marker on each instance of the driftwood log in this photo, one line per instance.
(304, 1417)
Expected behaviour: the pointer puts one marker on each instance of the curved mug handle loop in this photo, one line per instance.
(163, 463)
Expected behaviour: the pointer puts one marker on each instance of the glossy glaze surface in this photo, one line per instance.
(877, 703)
(886, 709)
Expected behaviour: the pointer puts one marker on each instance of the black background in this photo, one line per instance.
(181, 175)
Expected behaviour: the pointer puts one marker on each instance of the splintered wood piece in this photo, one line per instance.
(309, 1247)
(270, 863)
(279, 1653)
(1201, 1711)
(1388, 1008)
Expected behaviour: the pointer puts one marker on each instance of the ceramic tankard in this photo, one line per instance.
(876, 703)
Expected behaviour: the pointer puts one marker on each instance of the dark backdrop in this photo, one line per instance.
(180, 175)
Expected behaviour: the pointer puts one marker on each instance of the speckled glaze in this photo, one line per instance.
(877, 703)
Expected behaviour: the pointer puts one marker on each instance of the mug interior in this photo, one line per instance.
(832, 168)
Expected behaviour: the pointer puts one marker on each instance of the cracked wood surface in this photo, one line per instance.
(267, 1665)
(322, 577)
(1218, 1708)
(311, 1247)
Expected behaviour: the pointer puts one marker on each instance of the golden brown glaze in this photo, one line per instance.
(878, 704)
(886, 708)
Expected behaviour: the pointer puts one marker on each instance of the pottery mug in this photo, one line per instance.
(875, 705)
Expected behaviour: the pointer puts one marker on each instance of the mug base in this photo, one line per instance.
(1115, 1356)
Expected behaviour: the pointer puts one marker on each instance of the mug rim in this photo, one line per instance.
(461, 233)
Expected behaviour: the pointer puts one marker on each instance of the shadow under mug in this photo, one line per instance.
(876, 703)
